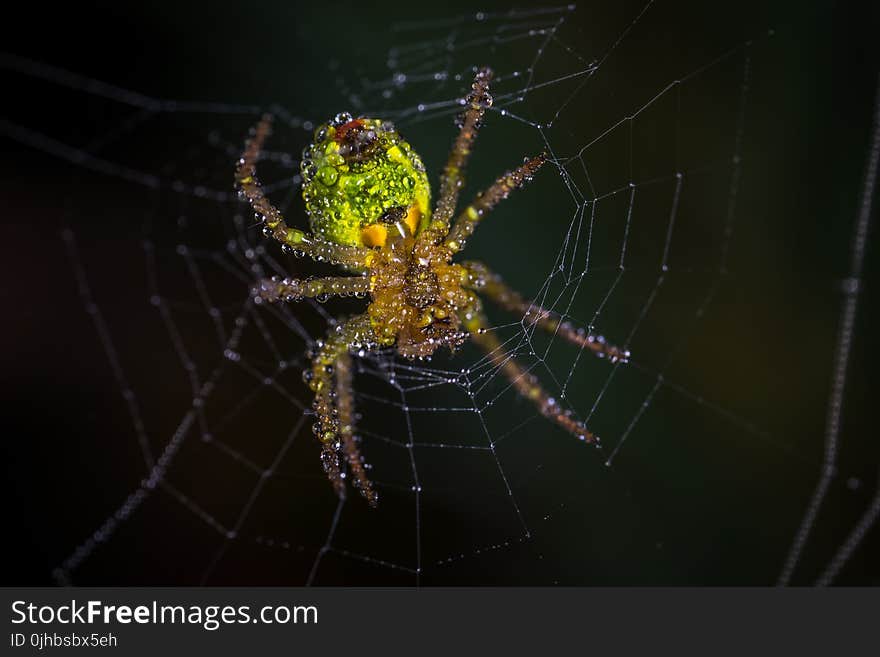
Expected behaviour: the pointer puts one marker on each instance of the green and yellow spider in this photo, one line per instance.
(368, 201)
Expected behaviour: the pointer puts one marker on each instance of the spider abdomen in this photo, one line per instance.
(357, 171)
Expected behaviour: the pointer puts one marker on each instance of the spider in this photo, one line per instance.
(368, 200)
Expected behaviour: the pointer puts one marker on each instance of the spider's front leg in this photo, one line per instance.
(321, 288)
(330, 379)
(490, 284)
(452, 179)
(466, 222)
(292, 239)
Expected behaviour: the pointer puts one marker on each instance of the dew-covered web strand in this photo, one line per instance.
(843, 347)
(247, 258)
(252, 498)
(156, 468)
(593, 200)
(853, 541)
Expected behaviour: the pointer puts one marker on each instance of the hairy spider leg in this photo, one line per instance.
(452, 178)
(323, 380)
(467, 221)
(293, 239)
(526, 383)
(345, 408)
(321, 288)
(490, 285)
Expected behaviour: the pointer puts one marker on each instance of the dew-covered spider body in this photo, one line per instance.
(368, 201)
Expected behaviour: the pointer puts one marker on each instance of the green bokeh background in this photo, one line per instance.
(693, 498)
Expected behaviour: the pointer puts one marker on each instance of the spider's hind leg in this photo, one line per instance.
(526, 383)
(330, 380)
(490, 284)
(345, 408)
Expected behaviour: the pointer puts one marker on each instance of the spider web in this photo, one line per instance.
(654, 224)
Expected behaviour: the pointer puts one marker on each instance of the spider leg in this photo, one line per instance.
(490, 284)
(452, 178)
(333, 425)
(292, 239)
(293, 289)
(526, 383)
(467, 221)
(345, 408)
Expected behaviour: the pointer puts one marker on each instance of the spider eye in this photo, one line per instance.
(359, 146)
(357, 141)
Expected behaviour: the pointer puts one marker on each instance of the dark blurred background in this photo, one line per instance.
(702, 492)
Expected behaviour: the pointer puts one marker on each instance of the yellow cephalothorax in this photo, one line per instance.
(359, 179)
